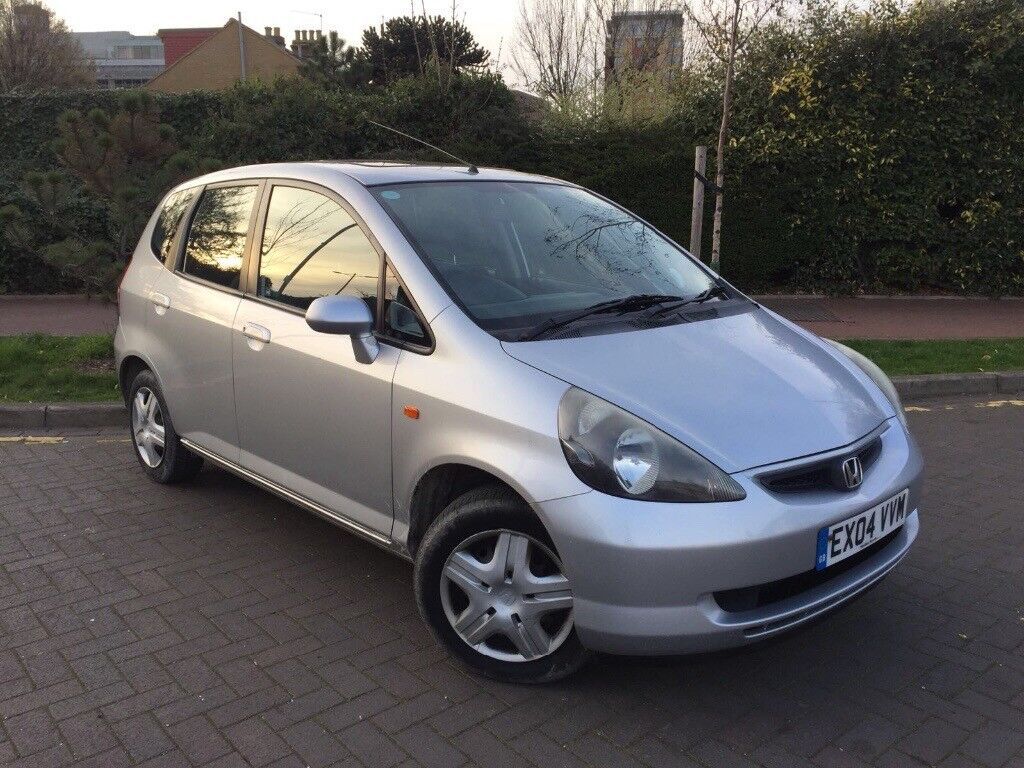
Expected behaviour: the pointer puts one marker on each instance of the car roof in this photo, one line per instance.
(367, 172)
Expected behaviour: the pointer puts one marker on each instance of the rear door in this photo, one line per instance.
(138, 300)
(311, 418)
(193, 310)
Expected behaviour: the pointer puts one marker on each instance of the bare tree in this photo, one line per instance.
(554, 52)
(726, 27)
(37, 52)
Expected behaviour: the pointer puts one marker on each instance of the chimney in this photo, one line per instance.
(273, 34)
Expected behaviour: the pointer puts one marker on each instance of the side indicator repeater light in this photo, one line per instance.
(411, 411)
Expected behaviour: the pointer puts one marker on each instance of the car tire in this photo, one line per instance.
(157, 446)
(493, 533)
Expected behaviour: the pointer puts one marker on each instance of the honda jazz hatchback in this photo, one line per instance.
(582, 438)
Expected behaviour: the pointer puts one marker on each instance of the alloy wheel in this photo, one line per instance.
(506, 595)
(148, 426)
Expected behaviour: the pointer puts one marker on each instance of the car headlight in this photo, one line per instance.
(614, 452)
(876, 375)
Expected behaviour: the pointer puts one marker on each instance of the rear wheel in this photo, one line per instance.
(493, 590)
(157, 446)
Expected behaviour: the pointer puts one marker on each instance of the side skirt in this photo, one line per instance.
(268, 485)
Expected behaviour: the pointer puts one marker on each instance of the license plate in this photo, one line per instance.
(840, 540)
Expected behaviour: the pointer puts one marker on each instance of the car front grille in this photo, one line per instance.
(761, 595)
(817, 476)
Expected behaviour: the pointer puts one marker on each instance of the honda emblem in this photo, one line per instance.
(853, 472)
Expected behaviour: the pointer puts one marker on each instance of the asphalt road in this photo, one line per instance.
(217, 625)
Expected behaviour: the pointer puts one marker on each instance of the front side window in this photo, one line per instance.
(311, 248)
(401, 322)
(216, 240)
(167, 222)
(517, 254)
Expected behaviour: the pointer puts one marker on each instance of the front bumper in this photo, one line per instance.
(644, 574)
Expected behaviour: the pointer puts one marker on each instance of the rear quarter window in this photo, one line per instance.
(167, 222)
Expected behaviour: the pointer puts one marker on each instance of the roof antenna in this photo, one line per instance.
(470, 167)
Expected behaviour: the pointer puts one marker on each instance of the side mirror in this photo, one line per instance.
(346, 316)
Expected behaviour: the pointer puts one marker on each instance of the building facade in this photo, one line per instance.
(233, 52)
(643, 41)
(121, 59)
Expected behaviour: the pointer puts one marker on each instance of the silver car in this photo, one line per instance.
(582, 438)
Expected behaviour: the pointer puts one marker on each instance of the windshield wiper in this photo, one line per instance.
(715, 291)
(623, 304)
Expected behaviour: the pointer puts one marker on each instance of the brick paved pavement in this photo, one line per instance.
(886, 317)
(902, 317)
(218, 626)
(59, 315)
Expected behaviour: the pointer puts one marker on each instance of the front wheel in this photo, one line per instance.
(493, 591)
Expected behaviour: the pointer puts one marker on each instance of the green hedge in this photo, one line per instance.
(893, 143)
(878, 151)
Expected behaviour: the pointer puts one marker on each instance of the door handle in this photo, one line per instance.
(161, 301)
(256, 332)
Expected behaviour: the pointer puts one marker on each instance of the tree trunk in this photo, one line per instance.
(723, 138)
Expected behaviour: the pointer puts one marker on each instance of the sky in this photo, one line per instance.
(492, 22)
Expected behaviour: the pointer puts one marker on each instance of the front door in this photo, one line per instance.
(311, 418)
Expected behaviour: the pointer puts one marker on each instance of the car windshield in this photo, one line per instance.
(515, 255)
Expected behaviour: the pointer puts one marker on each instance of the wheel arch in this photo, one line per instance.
(440, 486)
(130, 367)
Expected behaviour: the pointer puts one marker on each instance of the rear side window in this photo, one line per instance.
(311, 248)
(216, 239)
(167, 222)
